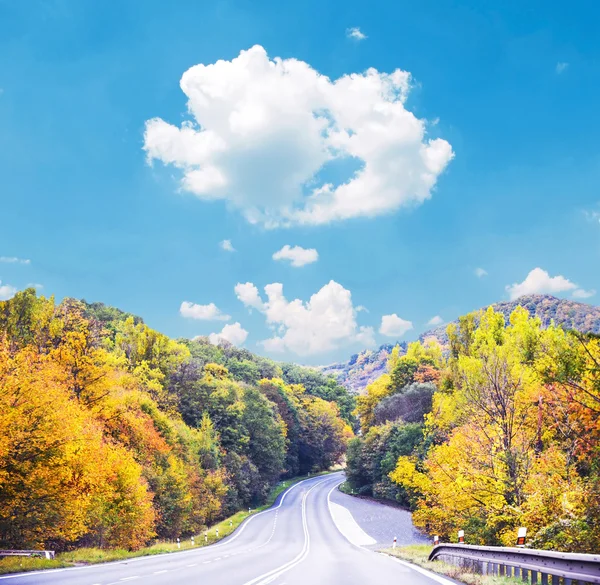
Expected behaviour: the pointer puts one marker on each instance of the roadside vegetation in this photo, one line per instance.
(418, 555)
(114, 437)
(498, 429)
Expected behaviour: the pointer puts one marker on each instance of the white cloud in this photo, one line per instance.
(208, 312)
(356, 34)
(227, 246)
(249, 295)
(6, 291)
(263, 129)
(561, 67)
(394, 326)
(480, 272)
(323, 323)
(539, 281)
(35, 285)
(297, 255)
(580, 293)
(234, 333)
(437, 320)
(14, 260)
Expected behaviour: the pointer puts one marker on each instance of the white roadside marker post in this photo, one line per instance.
(231, 523)
(178, 543)
(521, 536)
(217, 531)
(193, 543)
(394, 545)
(206, 537)
(436, 540)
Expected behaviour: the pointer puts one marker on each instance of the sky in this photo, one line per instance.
(306, 180)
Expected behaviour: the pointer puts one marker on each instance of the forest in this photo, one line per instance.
(113, 435)
(499, 430)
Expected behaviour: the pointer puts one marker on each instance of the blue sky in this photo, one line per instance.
(504, 94)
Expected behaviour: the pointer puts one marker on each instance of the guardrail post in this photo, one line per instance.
(543, 578)
(534, 577)
(516, 572)
(524, 575)
(555, 580)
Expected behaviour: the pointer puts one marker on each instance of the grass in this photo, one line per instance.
(82, 556)
(418, 554)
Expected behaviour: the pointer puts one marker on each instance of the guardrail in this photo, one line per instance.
(528, 564)
(48, 554)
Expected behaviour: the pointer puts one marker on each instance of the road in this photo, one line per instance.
(295, 542)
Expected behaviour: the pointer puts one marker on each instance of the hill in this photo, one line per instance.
(366, 366)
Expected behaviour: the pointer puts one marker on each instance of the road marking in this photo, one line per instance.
(129, 578)
(160, 572)
(206, 562)
(347, 525)
(278, 571)
(192, 565)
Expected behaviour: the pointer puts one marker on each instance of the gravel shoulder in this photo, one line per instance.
(381, 521)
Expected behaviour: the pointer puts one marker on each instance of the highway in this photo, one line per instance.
(297, 541)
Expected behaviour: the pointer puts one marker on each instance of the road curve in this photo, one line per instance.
(296, 541)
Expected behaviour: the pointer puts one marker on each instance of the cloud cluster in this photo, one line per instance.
(356, 34)
(394, 326)
(264, 133)
(480, 272)
(208, 312)
(6, 291)
(539, 281)
(233, 333)
(323, 323)
(435, 321)
(14, 260)
(297, 255)
(227, 246)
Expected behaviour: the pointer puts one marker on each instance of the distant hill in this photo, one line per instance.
(368, 365)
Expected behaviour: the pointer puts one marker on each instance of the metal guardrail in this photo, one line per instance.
(47, 554)
(537, 566)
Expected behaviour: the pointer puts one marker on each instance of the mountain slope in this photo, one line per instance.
(368, 365)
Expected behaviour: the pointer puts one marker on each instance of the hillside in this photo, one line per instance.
(114, 435)
(366, 366)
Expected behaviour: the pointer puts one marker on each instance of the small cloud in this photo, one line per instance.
(35, 285)
(361, 308)
(6, 291)
(580, 293)
(593, 216)
(208, 312)
(297, 255)
(480, 272)
(561, 67)
(227, 246)
(539, 281)
(437, 320)
(14, 260)
(394, 326)
(235, 334)
(356, 34)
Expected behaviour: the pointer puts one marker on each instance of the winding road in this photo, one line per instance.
(306, 537)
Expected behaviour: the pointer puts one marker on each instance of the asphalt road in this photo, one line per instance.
(295, 542)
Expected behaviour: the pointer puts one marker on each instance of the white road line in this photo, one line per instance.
(192, 565)
(278, 571)
(206, 562)
(160, 572)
